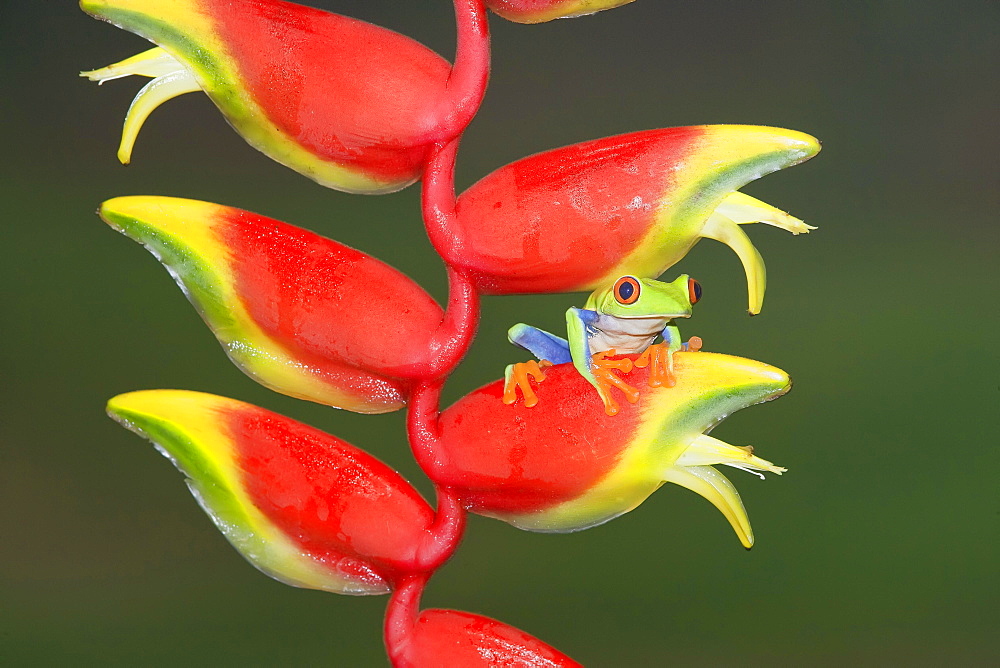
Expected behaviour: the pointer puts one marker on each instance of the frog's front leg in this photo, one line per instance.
(548, 348)
(518, 377)
(595, 367)
(660, 358)
(540, 343)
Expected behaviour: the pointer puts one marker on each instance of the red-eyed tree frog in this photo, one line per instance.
(624, 319)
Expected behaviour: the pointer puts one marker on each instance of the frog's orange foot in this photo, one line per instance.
(660, 360)
(605, 379)
(518, 376)
(693, 344)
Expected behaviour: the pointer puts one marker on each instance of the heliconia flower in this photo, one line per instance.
(578, 217)
(300, 313)
(302, 506)
(433, 638)
(465, 640)
(538, 11)
(351, 105)
(564, 465)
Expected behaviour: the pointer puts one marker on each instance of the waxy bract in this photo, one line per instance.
(363, 109)
(564, 465)
(538, 11)
(303, 506)
(578, 217)
(464, 640)
(349, 104)
(300, 313)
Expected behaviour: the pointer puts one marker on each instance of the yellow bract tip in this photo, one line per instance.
(712, 485)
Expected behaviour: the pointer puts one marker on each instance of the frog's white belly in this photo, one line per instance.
(625, 335)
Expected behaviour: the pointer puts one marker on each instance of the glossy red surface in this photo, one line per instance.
(350, 91)
(516, 459)
(461, 639)
(555, 221)
(328, 304)
(339, 503)
(525, 6)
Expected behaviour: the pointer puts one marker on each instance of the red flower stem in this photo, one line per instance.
(422, 426)
(422, 429)
(401, 615)
(438, 201)
(446, 532)
(444, 536)
(471, 71)
(458, 328)
(466, 87)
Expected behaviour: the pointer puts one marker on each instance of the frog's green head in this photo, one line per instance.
(632, 297)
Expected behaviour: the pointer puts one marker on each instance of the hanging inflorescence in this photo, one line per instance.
(572, 440)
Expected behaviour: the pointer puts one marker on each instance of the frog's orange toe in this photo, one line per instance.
(605, 379)
(518, 376)
(660, 361)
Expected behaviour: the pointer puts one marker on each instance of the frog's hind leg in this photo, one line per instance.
(540, 343)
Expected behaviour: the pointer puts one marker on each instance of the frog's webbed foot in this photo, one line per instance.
(660, 360)
(605, 379)
(519, 376)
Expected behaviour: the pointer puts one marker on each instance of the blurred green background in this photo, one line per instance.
(880, 545)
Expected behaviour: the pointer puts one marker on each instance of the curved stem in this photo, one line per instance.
(438, 202)
(458, 329)
(401, 615)
(422, 427)
(471, 71)
(466, 87)
(446, 532)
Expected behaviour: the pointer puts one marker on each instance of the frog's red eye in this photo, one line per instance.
(694, 290)
(627, 290)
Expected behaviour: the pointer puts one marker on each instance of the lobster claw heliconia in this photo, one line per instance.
(301, 314)
(539, 11)
(578, 217)
(564, 465)
(301, 505)
(465, 640)
(351, 105)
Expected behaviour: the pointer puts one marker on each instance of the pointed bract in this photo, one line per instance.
(300, 313)
(539, 11)
(564, 465)
(351, 105)
(578, 217)
(465, 640)
(302, 506)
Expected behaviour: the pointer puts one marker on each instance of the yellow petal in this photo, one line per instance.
(152, 63)
(743, 209)
(725, 230)
(706, 450)
(709, 483)
(152, 95)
